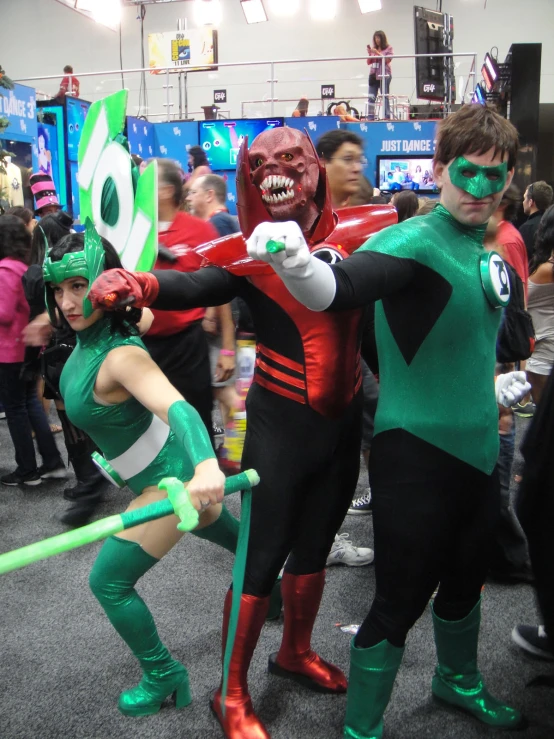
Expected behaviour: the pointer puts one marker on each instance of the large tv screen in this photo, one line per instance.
(76, 113)
(406, 173)
(221, 139)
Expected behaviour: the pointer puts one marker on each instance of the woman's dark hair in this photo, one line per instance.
(124, 322)
(171, 175)
(511, 202)
(199, 157)
(22, 213)
(50, 229)
(15, 239)
(406, 204)
(382, 38)
(544, 241)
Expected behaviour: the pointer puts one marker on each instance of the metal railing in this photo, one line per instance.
(300, 76)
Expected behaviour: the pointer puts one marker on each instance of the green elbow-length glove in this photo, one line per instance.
(186, 424)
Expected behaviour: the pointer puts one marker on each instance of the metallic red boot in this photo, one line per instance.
(240, 721)
(295, 659)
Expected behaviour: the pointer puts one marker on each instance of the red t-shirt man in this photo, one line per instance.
(180, 237)
(69, 84)
(514, 250)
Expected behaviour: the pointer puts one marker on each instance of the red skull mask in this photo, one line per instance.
(281, 179)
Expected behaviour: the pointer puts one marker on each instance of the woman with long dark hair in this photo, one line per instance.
(115, 392)
(379, 74)
(87, 493)
(540, 304)
(24, 413)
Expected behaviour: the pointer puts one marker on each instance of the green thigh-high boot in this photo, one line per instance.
(223, 531)
(370, 683)
(457, 680)
(118, 566)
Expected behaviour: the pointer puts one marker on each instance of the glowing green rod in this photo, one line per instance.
(177, 502)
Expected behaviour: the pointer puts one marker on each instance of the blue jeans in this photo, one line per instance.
(23, 413)
(372, 95)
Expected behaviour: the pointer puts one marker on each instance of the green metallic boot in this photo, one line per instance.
(370, 683)
(457, 680)
(118, 566)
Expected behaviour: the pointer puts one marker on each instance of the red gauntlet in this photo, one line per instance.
(117, 288)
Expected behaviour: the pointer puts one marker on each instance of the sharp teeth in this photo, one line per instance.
(282, 181)
(274, 181)
(291, 183)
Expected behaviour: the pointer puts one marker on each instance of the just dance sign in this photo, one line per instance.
(122, 205)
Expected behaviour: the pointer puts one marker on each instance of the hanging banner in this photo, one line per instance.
(20, 108)
(130, 220)
(183, 51)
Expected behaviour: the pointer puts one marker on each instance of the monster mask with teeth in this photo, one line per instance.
(286, 171)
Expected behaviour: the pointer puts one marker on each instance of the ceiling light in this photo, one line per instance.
(284, 7)
(207, 12)
(107, 12)
(368, 6)
(254, 11)
(323, 10)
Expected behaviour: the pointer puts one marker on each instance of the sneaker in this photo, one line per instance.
(533, 639)
(15, 478)
(218, 430)
(527, 410)
(361, 506)
(2, 415)
(56, 473)
(343, 552)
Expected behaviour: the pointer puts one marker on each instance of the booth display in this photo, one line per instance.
(60, 128)
(18, 141)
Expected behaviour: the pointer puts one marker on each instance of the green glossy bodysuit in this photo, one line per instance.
(436, 338)
(115, 428)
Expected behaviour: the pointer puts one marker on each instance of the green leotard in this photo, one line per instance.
(116, 428)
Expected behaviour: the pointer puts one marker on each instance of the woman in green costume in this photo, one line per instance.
(146, 430)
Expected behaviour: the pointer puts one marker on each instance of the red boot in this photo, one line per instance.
(295, 659)
(240, 721)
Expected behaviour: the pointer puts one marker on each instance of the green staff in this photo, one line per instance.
(177, 502)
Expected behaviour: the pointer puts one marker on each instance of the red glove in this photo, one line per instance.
(117, 288)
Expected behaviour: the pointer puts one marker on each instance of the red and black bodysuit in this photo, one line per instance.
(303, 408)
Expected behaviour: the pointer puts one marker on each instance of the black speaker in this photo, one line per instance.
(434, 33)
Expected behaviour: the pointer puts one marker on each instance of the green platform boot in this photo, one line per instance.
(370, 683)
(457, 680)
(118, 566)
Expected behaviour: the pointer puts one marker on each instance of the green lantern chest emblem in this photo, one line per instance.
(122, 205)
(495, 279)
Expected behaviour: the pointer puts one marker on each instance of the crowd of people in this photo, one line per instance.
(147, 370)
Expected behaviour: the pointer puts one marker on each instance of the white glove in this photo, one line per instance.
(295, 255)
(307, 278)
(510, 388)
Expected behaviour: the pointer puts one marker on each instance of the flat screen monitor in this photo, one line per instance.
(221, 140)
(490, 72)
(51, 150)
(76, 113)
(406, 173)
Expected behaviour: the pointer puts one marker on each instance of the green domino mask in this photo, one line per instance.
(476, 179)
(88, 263)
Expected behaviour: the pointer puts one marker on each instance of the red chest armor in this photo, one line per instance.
(326, 373)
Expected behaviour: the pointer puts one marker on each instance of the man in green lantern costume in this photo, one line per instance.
(432, 471)
(115, 392)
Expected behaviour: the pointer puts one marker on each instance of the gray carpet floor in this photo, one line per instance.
(63, 666)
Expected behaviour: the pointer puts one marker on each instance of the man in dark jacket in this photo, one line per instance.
(537, 198)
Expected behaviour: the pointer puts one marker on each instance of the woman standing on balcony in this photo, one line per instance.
(379, 74)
